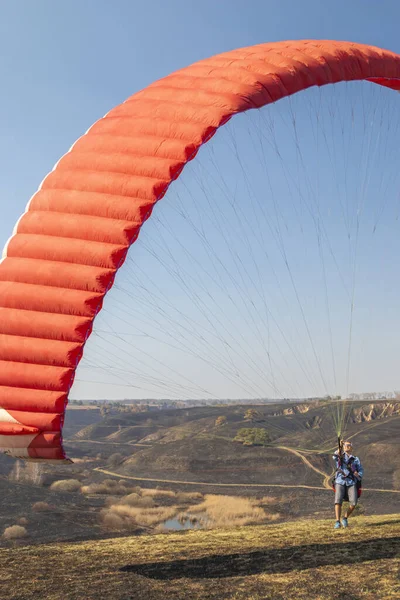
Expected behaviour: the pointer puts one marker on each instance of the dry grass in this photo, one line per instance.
(123, 515)
(186, 497)
(158, 493)
(269, 500)
(138, 509)
(14, 532)
(66, 485)
(295, 561)
(22, 521)
(143, 517)
(228, 511)
(151, 508)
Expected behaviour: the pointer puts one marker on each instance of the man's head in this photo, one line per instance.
(348, 447)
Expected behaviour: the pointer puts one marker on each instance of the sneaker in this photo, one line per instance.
(337, 525)
(345, 522)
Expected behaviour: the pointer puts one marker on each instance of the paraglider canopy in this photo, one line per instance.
(78, 227)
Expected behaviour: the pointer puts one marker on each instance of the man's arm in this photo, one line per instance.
(358, 467)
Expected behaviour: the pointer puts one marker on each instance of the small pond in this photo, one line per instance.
(182, 524)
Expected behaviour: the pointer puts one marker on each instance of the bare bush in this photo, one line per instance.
(66, 485)
(130, 499)
(95, 488)
(136, 500)
(105, 488)
(14, 532)
(135, 489)
(41, 506)
(112, 520)
(23, 521)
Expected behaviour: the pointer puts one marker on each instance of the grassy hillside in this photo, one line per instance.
(194, 451)
(203, 444)
(305, 560)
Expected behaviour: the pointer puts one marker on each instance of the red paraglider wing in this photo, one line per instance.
(78, 227)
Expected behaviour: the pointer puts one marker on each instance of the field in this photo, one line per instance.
(251, 483)
(303, 560)
(194, 453)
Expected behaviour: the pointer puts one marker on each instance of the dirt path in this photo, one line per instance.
(207, 484)
(305, 460)
(108, 443)
(244, 485)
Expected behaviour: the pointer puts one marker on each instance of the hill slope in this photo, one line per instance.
(198, 444)
(293, 561)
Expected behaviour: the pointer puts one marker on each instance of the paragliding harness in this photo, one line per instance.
(350, 466)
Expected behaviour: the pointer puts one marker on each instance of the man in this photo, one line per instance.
(347, 480)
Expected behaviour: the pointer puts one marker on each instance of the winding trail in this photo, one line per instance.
(326, 485)
(70, 441)
(208, 484)
(235, 485)
(305, 460)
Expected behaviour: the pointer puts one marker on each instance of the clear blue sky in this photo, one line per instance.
(65, 64)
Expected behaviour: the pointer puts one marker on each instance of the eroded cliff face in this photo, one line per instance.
(314, 423)
(296, 409)
(375, 410)
(359, 414)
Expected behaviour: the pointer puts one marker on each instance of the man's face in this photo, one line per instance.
(347, 447)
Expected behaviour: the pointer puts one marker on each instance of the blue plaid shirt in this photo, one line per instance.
(342, 465)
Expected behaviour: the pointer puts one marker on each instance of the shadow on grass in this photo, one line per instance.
(381, 523)
(280, 560)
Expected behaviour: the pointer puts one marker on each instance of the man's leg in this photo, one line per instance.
(339, 495)
(353, 499)
(349, 511)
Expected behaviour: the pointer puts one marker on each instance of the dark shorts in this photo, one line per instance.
(340, 493)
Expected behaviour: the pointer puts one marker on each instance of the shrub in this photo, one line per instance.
(130, 499)
(14, 532)
(251, 414)
(66, 485)
(116, 488)
(41, 506)
(255, 436)
(115, 459)
(112, 520)
(22, 521)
